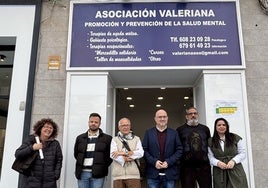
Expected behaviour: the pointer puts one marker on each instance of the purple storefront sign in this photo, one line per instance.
(155, 34)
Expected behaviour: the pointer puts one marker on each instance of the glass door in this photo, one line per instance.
(7, 49)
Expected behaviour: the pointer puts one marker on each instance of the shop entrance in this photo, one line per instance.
(106, 93)
(140, 105)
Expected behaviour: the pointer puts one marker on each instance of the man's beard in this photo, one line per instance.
(192, 122)
(93, 129)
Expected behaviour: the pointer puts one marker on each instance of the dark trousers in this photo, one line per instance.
(201, 175)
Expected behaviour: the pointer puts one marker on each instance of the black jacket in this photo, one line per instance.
(101, 160)
(44, 173)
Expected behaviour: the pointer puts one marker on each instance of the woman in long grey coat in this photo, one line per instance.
(43, 172)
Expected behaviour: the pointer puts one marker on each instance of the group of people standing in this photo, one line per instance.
(184, 154)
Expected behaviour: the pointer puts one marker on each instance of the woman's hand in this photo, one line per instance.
(37, 146)
(222, 165)
(231, 164)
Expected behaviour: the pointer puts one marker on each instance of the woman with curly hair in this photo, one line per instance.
(46, 168)
(226, 152)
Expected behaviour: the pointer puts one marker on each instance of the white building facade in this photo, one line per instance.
(72, 86)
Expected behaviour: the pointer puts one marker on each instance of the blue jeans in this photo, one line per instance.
(161, 180)
(87, 181)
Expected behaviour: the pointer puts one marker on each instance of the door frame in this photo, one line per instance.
(26, 31)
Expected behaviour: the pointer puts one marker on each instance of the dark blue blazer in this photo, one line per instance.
(173, 152)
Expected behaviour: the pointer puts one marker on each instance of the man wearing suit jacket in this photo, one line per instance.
(162, 150)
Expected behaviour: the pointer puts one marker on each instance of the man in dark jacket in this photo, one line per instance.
(195, 165)
(92, 154)
(162, 150)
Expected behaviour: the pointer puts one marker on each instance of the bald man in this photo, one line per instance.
(162, 150)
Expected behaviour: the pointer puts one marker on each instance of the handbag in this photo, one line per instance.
(23, 165)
